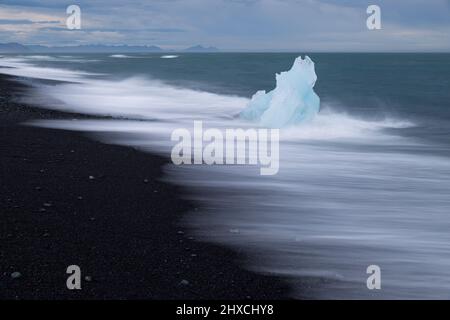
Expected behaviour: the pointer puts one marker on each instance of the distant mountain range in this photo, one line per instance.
(12, 48)
(201, 49)
(19, 48)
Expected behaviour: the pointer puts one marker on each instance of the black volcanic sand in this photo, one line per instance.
(121, 226)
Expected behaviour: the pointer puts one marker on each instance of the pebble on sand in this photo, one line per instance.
(184, 282)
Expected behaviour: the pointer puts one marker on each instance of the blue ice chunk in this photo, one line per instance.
(293, 101)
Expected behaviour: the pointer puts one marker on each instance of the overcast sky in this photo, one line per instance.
(249, 25)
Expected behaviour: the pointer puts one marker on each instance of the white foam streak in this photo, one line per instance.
(142, 99)
(17, 67)
(120, 56)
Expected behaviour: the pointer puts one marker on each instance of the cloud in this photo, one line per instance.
(325, 25)
(25, 21)
(15, 21)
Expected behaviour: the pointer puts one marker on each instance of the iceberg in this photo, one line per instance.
(293, 100)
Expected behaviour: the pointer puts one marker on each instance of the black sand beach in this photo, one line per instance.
(68, 200)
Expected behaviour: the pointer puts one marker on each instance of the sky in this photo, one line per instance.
(233, 25)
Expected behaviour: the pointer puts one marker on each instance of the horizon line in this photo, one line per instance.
(218, 50)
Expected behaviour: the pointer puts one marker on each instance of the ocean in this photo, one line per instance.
(367, 182)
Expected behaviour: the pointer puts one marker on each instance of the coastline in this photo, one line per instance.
(69, 200)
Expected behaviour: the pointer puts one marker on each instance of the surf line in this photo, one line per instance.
(232, 146)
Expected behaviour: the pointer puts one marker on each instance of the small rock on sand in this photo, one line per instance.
(184, 282)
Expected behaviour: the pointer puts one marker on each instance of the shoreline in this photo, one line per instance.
(69, 200)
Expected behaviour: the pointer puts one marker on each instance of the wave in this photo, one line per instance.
(138, 98)
(20, 67)
(145, 99)
(48, 58)
(169, 57)
(121, 56)
(39, 57)
(142, 98)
